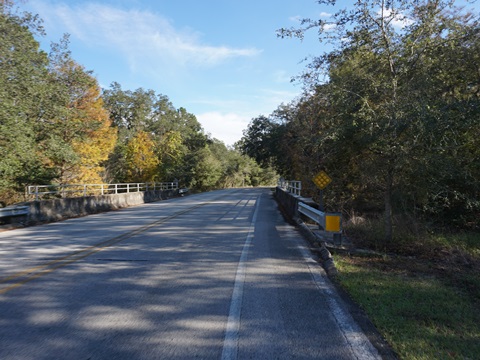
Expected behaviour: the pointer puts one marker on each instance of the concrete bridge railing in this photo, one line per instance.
(43, 211)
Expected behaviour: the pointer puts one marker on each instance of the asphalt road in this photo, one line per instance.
(218, 275)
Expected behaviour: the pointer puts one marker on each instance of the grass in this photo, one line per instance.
(467, 242)
(426, 303)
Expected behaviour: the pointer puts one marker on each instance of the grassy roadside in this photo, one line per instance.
(427, 304)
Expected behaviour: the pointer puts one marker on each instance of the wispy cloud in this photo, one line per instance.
(329, 27)
(298, 18)
(324, 15)
(276, 97)
(227, 127)
(139, 35)
(398, 20)
(295, 19)
(282, 76)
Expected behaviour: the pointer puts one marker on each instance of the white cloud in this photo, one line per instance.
(138, 35)
(227, 127)
(282, 76)
(398, 20)
(273, 98)
(329, 27)
(299, 18)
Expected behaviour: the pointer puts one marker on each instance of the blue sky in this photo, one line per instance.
(219, 59)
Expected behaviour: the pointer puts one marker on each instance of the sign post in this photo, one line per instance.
(332, 220)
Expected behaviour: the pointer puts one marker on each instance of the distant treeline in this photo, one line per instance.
(58, 126)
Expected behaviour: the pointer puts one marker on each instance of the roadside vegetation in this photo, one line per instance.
(422, 294)
(392, 114)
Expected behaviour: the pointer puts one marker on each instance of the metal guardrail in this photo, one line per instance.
(294, 187)
(14, 211)
(312, 213)
(79, 190)
(330, 222)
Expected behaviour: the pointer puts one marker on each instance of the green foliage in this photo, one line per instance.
(78, 137)
(392, 113)
(23, 87)
(181, 148)
(207, 171)
(420, 316)
(260, 140)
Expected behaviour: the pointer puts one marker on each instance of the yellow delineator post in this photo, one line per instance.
(333, 222)
(328, 222)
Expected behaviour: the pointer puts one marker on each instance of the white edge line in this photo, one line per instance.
(230, 342)
(359, 344)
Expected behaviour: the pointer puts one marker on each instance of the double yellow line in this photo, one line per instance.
(20, 278)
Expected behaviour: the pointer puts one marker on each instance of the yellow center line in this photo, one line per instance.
(41, 270)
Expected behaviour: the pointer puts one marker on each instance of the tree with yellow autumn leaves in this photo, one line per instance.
(54, 127)
(81, 125)
(141, 160)
(97, 144)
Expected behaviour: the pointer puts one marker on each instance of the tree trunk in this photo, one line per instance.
(388, 207)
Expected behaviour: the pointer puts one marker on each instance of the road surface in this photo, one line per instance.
(218, 275)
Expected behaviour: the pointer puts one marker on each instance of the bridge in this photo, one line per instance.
(217, 275)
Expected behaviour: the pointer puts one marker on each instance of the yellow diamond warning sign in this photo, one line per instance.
(322, 180)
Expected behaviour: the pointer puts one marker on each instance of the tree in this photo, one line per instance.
(208, 170)
(79, 137)
(94, 149)
(177, 135)
(141, 160)
(171, 152)
(53, 126)
(23, 89)
(377, 88)
(260, 140)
